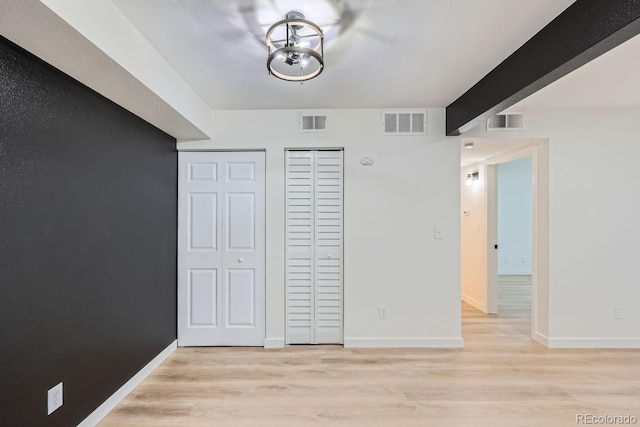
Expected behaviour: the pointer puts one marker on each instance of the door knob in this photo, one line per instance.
(240, 260)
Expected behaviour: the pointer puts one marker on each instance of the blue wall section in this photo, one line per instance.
(514, 216)
(87, 243)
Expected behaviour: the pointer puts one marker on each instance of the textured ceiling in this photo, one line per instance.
(409, 53)
(609, 81)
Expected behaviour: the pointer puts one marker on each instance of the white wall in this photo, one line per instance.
(514, 216)
(391, 257)
(473, 231)
(594, 232)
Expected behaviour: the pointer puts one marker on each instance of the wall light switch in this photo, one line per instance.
(619, 312)
(438, 232)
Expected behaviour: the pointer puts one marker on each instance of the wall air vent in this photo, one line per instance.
(510, 121)
(404, 122)
(313, 123)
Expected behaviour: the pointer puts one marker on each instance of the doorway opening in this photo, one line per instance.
(510, 200)
(504, 250)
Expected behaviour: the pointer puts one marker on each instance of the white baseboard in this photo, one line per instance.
(594, 342)
(474, 303)
(274, 343)
(542, 339)
(403, 342)
(107, 406)
(514, 273)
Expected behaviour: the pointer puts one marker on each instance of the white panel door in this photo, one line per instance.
(243, 250)
(221, 244)
(314, 247)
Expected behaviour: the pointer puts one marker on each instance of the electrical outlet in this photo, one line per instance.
(383, 313)
(619, 312)
(54, 398)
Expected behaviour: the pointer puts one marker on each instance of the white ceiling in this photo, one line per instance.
(409, 53)
(609, 81)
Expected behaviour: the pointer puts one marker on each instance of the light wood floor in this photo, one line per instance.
(501, 378)
(514, 295)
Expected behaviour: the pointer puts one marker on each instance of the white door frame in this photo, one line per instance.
(491, 191)
(540, 235)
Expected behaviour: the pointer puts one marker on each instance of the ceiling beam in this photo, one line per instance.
(584, 31)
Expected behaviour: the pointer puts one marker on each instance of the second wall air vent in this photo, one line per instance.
(404, 122)
(509, 121)
(309, 123)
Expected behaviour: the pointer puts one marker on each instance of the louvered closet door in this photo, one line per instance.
(328, 246)
(314, 247)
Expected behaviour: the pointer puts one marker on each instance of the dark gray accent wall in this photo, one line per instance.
(87, 243)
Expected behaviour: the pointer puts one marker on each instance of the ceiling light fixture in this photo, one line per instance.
(296, 48)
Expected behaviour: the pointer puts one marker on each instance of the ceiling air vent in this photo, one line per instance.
(313, 123)
(404, 122)
(510, 121)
